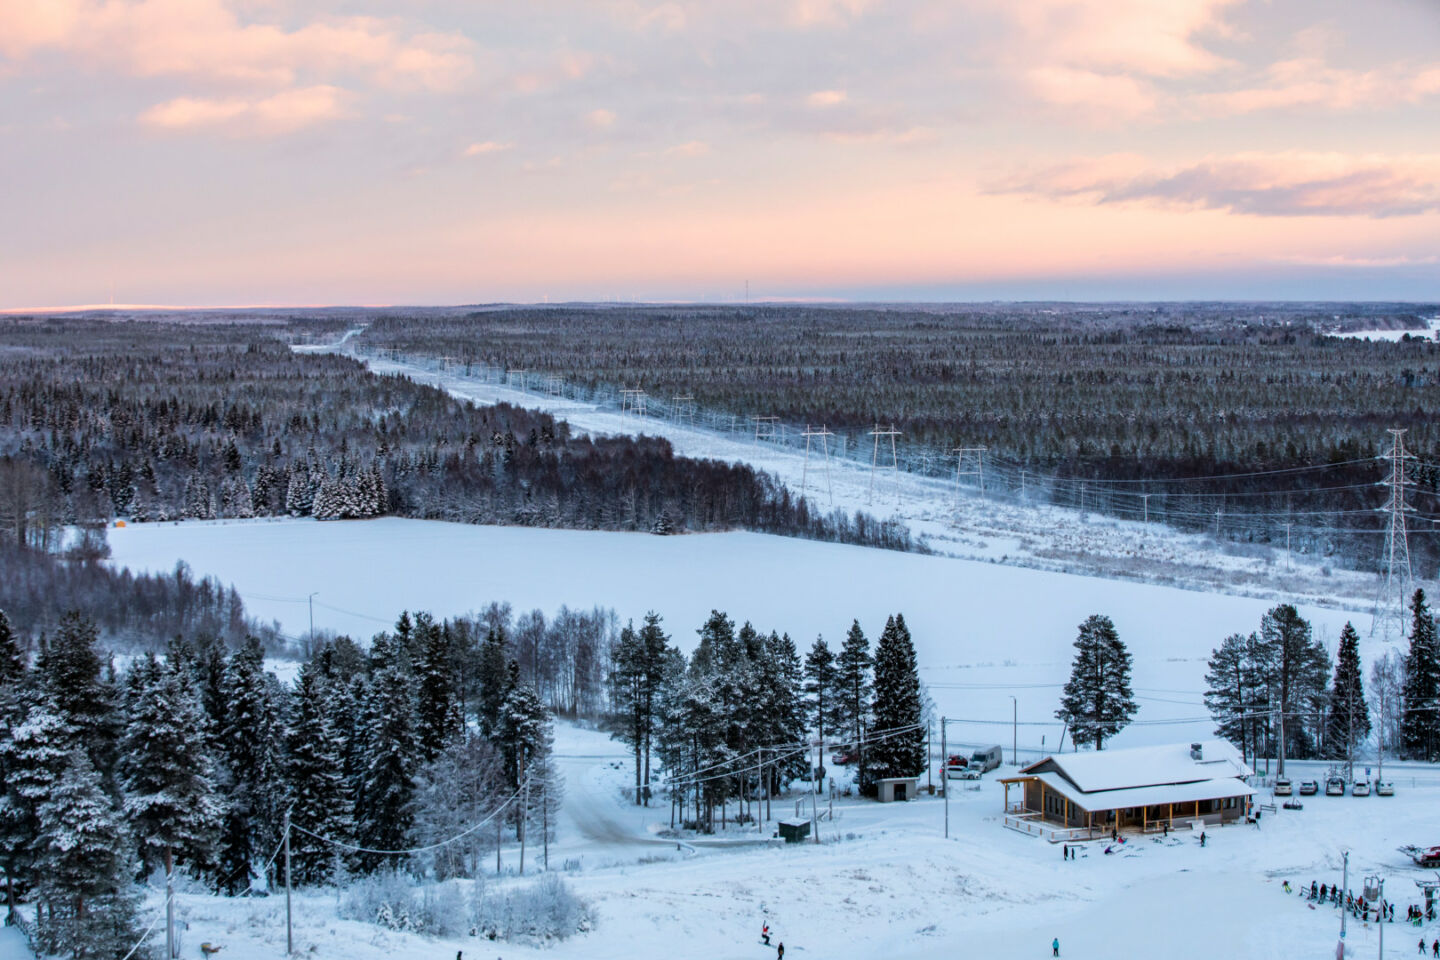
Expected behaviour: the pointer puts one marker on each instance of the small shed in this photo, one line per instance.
(793, 831)
(894, 789)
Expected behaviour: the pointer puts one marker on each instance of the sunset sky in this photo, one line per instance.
(208, 152)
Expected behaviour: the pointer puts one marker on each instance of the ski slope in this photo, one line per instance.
(984, 632)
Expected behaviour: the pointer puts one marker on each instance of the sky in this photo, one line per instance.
(213, 152)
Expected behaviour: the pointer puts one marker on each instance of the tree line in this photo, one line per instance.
(1095, 394)
(197, 760)
(745, 715)
(163, 421)
(1273, 693)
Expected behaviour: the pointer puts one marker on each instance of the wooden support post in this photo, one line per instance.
(1067, 813)
(1172, 814)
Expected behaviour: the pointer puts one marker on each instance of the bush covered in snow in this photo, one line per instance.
(545, 910)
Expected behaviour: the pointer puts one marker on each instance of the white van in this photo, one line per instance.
(986, 759)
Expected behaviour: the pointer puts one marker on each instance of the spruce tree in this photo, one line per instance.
(165, 767)
(319, 796)
(897, 735)
(83, 867)
(1098, 701)
(820, 683)
(1420, 728)
(853, 681)
(1296, 667)
(785, 707)
(71, 669)
(1349, 717)
(493, 680)
(251, 740)
(438, 709)
(526, 742)
(392, 756)
(33, 755)
(12, 661)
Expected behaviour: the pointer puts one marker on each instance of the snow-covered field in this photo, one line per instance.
(885, 883)
(984, 632)
(1030, 534)
(1394, 336)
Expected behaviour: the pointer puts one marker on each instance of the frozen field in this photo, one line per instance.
(984, 632)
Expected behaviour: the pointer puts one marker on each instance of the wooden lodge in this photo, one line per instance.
(1078, 796)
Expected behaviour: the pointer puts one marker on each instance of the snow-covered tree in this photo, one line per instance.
(493, 679)
(392, 754)
(1295, 667)
(1349, 716)
(165, 767)
(635, 678)
(80, 685)
(33, 755)
(456, 790)
(1235, 691)
(1097, 702)
(821, 680)
(318, 793)
(83, 867)
(897, 747)
(255, 787)
(438, 707)
(1420, 728)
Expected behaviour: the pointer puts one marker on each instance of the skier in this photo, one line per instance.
(1065, 852)
(780, 952)
(1202, 838)
(1287, 886)
(1435, 948)
(1422, 946)
(1055, 947)
(765, 933)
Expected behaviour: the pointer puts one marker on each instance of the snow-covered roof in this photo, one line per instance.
(1099, 770)
(1154, 796)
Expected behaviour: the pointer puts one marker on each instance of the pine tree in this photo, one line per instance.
(70, 668)
(392, 756)
(897, 735)
(438, 710)
(526, 742)
(12, 661)
(317, 790)
(782, 694)
(820, 682)
(1235, 684)
(83, 867)
(1420, 728)
(1295, 667)
(165, 767)
(1349, 717)
(1098, 701)
(33, 755)
(853, 681)
(251, 739)
(492, 677)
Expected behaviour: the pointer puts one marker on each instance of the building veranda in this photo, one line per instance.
(1075, 796)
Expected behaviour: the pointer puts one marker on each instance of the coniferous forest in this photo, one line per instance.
(155, 420)
(383, 760)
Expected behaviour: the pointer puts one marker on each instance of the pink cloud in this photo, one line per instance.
(206, 38)
(1282, 184)
(827, 98)
(282, 113)
(1157, 38)
(1311, 82)
(487, 146)
(600, 119)
(1106, 98)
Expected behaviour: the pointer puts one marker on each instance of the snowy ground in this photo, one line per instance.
(984, 632)
(1029, 534)
(1394, 336)
(885, 882)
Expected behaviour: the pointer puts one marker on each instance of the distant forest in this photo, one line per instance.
(171, 420)
(1113, 408)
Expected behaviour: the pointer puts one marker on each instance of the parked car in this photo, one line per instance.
(971, 772)
(955, 766)
(1282, 787)
(1361, 789)
(1308, 788)
(844, 757)
(1335, 787)
(986, 759)
(1384, 788)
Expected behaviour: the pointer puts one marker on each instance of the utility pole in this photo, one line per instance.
(945, 776)
(1389, 622)
(545, 819)
(1288, 525)
(976, 457)
(524, 804)
(1014, 731)
(289, 930)
(171, 948)
(311, 601)
(1344, 890)
(815, 789)
(1146, 498)
(929, 755)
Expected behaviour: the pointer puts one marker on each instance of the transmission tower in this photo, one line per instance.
(684, 408)
(824, 436)
(877, 433)
(1389, 622)
(632, 401)
(517, 377)
(971, 463)
(554, 386)
(766, 428)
